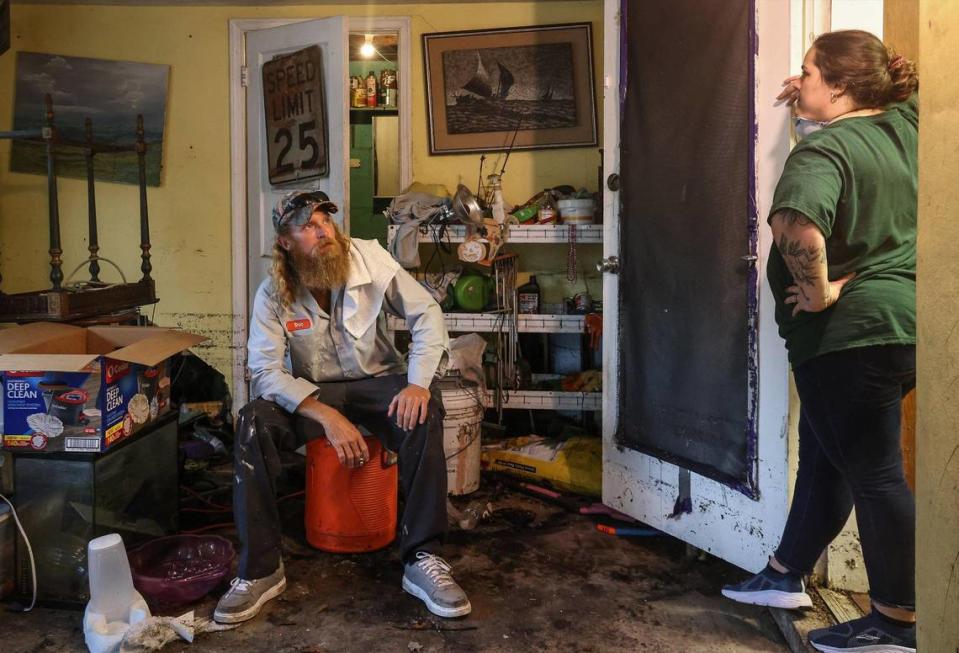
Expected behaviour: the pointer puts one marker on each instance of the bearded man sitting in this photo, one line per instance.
(322, 364)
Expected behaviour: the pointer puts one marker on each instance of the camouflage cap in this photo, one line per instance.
(297, 207)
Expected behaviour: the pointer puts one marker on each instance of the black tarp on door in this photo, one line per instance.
(687, 288)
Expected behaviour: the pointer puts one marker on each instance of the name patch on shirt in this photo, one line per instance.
(299, 325)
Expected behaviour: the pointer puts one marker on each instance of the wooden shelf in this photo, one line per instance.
(381, 110)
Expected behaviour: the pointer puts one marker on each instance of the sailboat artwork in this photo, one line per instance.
(509, 88)
(479, 83)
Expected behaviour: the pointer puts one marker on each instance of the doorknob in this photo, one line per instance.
(609, 264)
(612, 182)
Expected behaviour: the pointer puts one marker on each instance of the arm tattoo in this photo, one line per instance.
(803, 262)
(805, 259)
(791, 217)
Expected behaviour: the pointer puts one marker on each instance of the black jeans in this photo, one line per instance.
(264, 428)
(850, 454)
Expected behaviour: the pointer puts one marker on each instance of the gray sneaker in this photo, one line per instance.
(429, 580)
(245, 597)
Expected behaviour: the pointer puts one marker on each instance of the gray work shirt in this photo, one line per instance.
(292, 349)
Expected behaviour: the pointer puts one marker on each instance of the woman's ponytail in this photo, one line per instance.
(902, 74)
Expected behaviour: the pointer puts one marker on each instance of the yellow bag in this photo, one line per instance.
(574, 465)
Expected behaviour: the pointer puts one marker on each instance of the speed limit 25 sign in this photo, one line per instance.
(295, 111)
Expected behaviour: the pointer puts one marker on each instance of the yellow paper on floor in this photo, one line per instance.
(574, 465)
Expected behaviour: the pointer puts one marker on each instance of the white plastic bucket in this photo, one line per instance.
(463, 402)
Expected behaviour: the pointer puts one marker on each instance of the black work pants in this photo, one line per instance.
(263, 429)
(850, 454)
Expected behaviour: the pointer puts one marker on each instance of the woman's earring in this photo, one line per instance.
(832, 98)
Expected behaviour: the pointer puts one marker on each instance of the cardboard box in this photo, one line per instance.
(68, 388)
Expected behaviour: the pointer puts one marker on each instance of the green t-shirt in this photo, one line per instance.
(857, 181)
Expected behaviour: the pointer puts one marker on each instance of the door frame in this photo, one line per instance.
(724, 521)
(238, 188)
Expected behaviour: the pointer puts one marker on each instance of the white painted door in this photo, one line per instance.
(331, 35)
(724, 521)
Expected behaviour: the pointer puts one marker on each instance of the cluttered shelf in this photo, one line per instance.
(489, 322)
(489, 299)
(548, 233)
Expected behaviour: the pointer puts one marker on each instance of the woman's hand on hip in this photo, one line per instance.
(803, 302)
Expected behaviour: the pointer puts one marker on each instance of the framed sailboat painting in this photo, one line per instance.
(522, 88)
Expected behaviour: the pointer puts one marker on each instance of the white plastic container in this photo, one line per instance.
(463, 401)
(114, 603)
(576, 211)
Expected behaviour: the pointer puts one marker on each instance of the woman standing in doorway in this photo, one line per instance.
(843, 273)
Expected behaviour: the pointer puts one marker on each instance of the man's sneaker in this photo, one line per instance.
(245, 597)
(771, 588)
(429, 580)
(869, 634)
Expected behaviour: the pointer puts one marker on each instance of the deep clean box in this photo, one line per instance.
(68, 388)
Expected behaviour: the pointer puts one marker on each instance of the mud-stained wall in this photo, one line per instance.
(937, 477)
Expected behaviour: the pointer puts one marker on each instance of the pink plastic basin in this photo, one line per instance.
(180, 569)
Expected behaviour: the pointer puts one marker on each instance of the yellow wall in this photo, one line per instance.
(190, 211)
(900, 20)
(937, 439)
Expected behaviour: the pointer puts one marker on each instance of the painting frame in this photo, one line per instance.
(112, 93)
(472, 117)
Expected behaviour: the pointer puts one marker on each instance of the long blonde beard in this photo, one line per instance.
(323, 270)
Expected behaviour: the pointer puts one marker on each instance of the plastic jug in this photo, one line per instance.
(114, 603)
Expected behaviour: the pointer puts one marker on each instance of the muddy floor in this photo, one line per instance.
(539, 579)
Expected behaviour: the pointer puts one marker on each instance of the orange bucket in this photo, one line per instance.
(349, 510)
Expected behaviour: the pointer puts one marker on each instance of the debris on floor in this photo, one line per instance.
(538, 573)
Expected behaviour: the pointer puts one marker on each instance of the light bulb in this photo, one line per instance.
(367, 50)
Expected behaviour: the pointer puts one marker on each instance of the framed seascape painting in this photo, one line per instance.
(523, 88)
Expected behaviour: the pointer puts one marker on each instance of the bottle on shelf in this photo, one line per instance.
(548, 212)
(357, 92)
(388, 88)
(528, 296)
(372, 90)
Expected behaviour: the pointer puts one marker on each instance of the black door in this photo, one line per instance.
(688, 287)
